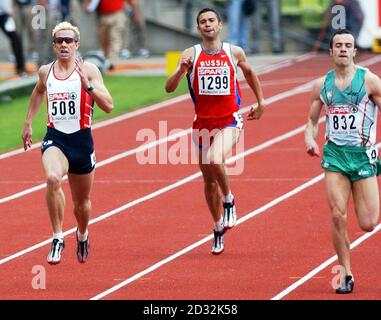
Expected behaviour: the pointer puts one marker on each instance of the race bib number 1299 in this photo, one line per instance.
(214, 80)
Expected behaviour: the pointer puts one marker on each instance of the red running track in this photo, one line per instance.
(264, 255)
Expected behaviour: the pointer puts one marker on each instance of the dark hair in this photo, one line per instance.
(208, 10)
(341, 31)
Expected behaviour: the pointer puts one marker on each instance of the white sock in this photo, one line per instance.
(82, 237)
(58, 235)
(229, 198)
(219, 225)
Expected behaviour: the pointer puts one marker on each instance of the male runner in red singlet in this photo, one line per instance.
(211, 69)
(71, 87)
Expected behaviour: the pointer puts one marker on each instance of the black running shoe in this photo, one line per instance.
(55, 252)
(347, 286)
(218, 242)
(83, 248)
(230, 215)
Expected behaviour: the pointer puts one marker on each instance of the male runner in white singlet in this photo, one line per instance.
(71, 87)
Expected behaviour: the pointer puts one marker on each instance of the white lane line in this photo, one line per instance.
(163, 190)
(299, 89)
(102, 163)
(278, 82)
(107, 122)
(239, 221)
(172, 137)
(208, 238)
(164, 104)
(156, 193)
(286, 63)
(325, 264)
(150, 196)
(169, 180)
(103, 123)
(106, 215)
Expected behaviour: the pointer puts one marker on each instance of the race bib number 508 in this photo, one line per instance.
(214, 80)
(62, 106)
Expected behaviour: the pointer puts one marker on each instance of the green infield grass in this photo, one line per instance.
(128, 92)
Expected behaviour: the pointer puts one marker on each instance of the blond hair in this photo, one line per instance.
(66, 26)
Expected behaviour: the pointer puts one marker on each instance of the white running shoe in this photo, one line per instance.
(144, 53)
(218, 242)
(55, 252)
(230, 215)
(125, 54)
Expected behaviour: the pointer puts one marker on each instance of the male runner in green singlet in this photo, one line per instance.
(351, 96)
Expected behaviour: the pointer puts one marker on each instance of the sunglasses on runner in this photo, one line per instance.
(68, 40)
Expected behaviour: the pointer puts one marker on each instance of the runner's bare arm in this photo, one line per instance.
(373, 86)
(312, 127)
(35, 101)
(184, 65)
(252, 80)
(90, 74)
